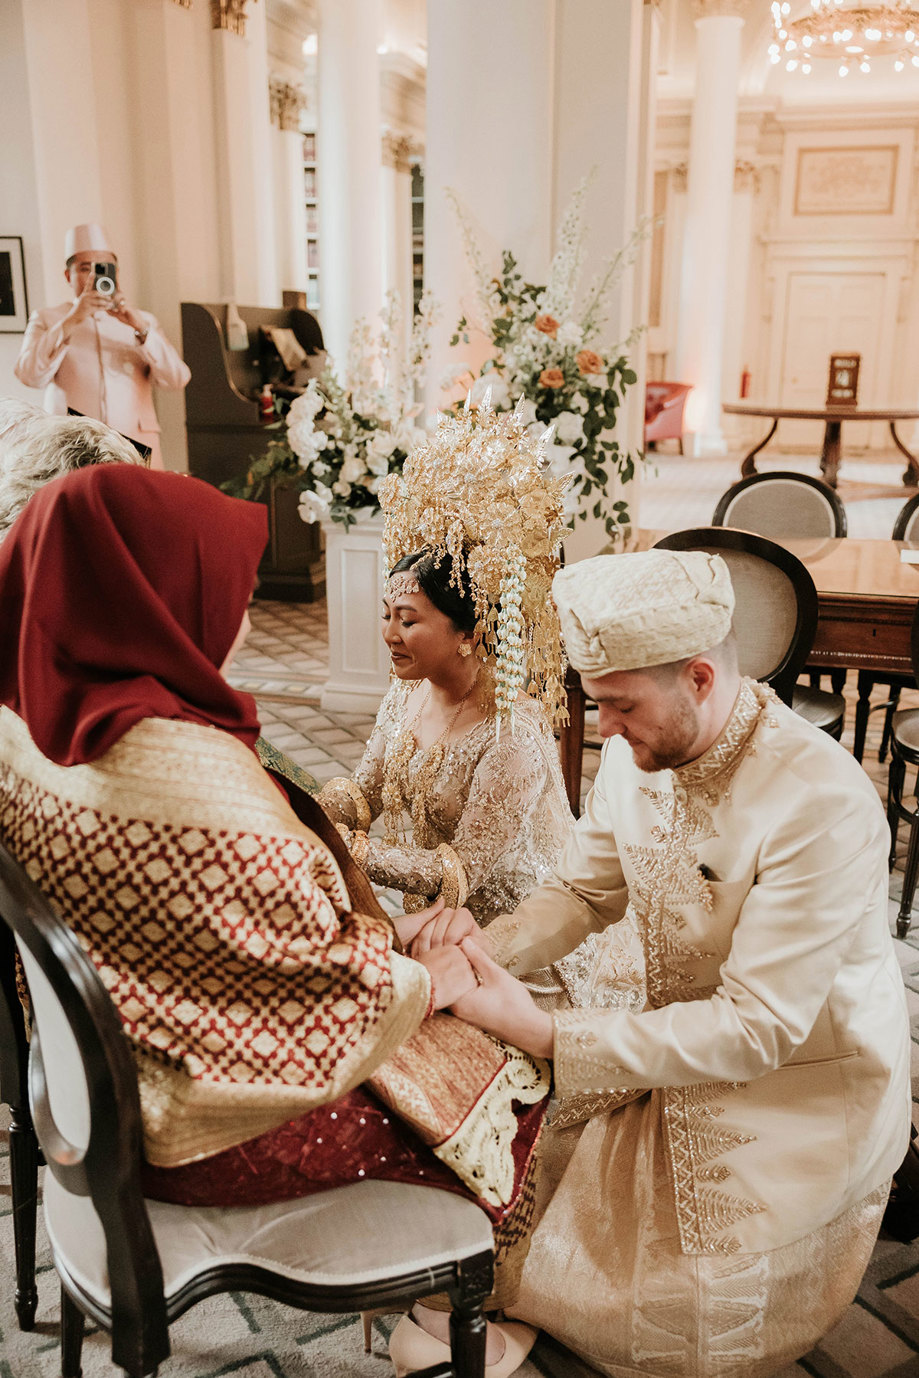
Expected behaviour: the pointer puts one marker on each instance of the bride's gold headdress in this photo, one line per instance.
(480, 492)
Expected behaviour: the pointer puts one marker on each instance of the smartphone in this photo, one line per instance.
(105, 278)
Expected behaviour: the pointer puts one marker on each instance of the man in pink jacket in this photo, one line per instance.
(96, 354)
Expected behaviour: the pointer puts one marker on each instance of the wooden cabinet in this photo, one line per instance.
(225, 433)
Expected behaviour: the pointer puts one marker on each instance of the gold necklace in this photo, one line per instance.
(396, 783)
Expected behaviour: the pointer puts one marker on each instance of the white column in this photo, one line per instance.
(606, 63)
(706, 247)
(348, 158)
(396, 207)
(289, 206)
(244, 180)
(561, 87)
(489, 137)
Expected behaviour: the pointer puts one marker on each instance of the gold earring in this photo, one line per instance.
(465, 649)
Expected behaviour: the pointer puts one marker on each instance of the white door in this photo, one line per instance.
(830, 313)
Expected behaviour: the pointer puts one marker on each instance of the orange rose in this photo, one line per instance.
(589, 361)
(552, 378)
(547, 324)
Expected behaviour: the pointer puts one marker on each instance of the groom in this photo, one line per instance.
(767, 1078)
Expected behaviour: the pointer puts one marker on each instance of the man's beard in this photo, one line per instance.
(675, 743)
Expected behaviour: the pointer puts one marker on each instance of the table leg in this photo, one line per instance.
(829, 460)
(748, 467)
(911, 475)
(571, 744)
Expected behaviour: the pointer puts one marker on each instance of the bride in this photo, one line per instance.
(458, 747)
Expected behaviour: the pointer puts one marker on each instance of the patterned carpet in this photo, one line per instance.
(247, 1337)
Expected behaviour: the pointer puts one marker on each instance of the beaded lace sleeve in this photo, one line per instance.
(341, 798)
(506, 785)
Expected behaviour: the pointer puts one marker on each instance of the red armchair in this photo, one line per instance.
(664, 406)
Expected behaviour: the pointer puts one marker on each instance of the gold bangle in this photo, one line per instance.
(454, 886)
(332, 792)
(360, 848)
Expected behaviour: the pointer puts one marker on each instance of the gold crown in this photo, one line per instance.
(480, 492)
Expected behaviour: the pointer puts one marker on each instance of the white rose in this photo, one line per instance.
(579, 403)
(353, 469)
(341, 489)
(569, 427)
(306, 406)
(313, 508)
(569, 334)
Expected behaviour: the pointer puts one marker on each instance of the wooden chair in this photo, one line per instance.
(774, 621)
(782, 504)
(775, 614)
(134, 1266)
(905, 528)
(786, 504)
(25, 1157)
(904, 751)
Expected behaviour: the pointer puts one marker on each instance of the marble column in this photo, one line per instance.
(396, 206)
(489, 138)
(562, 88)
(287, 104)
(706, 246)
(244, 164)
(348, 162)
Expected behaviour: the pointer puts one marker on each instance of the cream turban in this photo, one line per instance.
(625, 612)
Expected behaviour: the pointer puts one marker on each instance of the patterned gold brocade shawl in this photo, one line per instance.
(223, 930)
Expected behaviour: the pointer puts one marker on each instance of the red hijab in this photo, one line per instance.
(121, 592)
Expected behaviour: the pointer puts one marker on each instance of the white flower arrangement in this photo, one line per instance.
(340, 440)
(546, 350)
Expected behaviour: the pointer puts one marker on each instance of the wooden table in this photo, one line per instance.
(866, 601)
(832, 417)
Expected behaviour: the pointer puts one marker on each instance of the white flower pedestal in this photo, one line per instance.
(358, 659)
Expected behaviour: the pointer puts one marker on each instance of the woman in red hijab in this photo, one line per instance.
(252, 992)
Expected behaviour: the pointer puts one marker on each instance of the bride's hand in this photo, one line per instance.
(409, 925)
(451, 973)
(448, 927)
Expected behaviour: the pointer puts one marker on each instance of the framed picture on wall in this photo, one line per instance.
(14, 305)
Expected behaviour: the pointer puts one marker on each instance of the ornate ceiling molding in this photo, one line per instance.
(229, 15)
(182, 4)
(286, 102)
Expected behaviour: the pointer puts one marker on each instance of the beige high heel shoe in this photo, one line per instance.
(368, 1318)
(412, 1348)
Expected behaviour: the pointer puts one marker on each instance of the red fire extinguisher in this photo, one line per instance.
(745, 383)
(266, 403)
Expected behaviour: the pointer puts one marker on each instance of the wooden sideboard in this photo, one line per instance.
(225, 432)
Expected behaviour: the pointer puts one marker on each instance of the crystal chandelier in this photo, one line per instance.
(848, 32)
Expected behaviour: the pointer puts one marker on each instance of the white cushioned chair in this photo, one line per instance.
(133, 1265)
(775, 615)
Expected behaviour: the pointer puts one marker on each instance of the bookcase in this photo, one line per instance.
(312, 220)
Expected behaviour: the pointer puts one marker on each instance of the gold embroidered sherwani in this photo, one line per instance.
(720, 1223)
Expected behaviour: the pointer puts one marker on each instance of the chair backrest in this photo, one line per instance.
(86, 1108)
(775, 612)
(782, 504)
(906, 527)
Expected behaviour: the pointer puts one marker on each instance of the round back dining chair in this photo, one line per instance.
(775, 616)
(135, 1265)
(906, 526)
(782, 504)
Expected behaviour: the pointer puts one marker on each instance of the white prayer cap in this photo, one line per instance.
(86, 239)
(627, 612)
